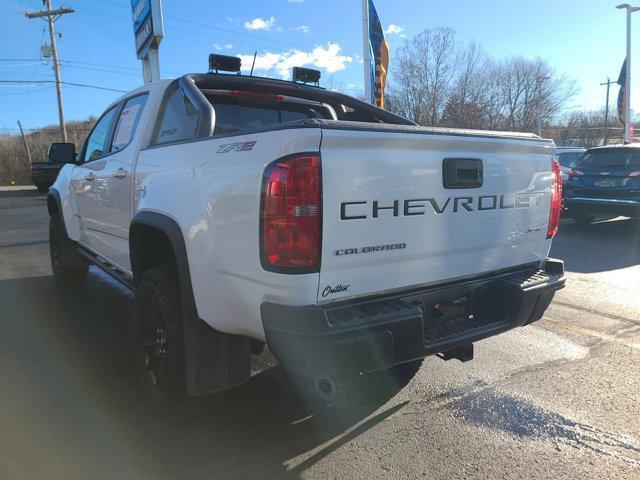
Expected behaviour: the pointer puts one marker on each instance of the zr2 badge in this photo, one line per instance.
(237, 147)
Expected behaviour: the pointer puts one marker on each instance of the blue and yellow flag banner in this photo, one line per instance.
(379, 57)
(621, 81)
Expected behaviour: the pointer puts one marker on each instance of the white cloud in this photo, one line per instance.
(219, 47)
(261, 24)
(303, 28)
(393, 29)
(295, 1)
(327, 57)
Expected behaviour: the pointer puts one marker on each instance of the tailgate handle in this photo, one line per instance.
(462, 173)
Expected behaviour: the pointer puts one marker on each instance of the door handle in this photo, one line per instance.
(120, 173)
(90, 177)
(462, 173)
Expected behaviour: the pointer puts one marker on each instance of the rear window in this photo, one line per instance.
(178, 119)
(237, 115)
(569, 159)
(621, 158)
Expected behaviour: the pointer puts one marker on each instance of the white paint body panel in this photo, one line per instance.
(215, 199)
(366, 166)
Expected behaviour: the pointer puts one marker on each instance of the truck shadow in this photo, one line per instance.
(602, 246)
(72, 398)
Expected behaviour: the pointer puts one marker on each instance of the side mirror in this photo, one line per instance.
(62, 153)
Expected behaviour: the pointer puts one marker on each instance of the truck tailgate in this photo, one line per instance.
(389, 222)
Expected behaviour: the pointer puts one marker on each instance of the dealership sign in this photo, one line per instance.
(147, 24)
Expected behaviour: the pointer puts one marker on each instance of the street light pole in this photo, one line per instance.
(606, 111)
(627, 79)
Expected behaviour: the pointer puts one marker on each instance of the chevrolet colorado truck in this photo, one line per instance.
(247, 211)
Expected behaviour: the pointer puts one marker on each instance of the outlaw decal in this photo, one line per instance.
(328, 290)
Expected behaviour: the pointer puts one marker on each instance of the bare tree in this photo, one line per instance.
(532, 92)
(437, 81)
(426, 67)
(469, 100)
(14, 164)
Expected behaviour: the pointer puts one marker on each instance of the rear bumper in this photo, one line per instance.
(378, 333)
(605, 206)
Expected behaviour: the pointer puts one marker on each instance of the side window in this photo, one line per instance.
(96, 144)
(178, 119)
(128, 122)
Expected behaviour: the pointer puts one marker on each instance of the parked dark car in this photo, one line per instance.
(44, 174)
(567, 158)
(604, 181)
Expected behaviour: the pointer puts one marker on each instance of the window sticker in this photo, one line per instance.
(125, 125)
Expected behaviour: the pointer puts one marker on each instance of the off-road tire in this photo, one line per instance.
(157, 305)
(65, 277)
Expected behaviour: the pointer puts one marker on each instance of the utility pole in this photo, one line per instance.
(606, 112)
(52, 16)
(24, 139)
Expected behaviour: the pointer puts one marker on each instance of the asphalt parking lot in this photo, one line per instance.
(558, 399)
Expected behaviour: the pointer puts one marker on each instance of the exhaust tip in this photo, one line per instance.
(325, 387)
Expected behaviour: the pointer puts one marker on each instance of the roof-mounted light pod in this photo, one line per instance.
(306, 75)
(224, 63)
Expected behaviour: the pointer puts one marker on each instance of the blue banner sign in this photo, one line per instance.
(144, 33)
(140, 10)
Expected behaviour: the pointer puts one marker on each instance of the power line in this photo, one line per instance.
(130, 74)
(73, 84)
(21, 65)
(202, 25)
(27, 93)
(19, 59)
(33, 76)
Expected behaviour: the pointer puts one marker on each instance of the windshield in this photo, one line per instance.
(623, 158)
(569, 159)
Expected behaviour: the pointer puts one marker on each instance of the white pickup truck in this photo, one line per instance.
(246, 211)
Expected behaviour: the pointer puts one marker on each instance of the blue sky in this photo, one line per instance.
(584, 39)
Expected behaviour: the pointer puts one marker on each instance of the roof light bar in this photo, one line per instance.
(224, 63)
(306, 75)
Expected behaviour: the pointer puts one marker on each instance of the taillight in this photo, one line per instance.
(556, 199)
(291, 216)
(574, 173)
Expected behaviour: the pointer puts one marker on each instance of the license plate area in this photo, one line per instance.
(466, 310)
(606, 183)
